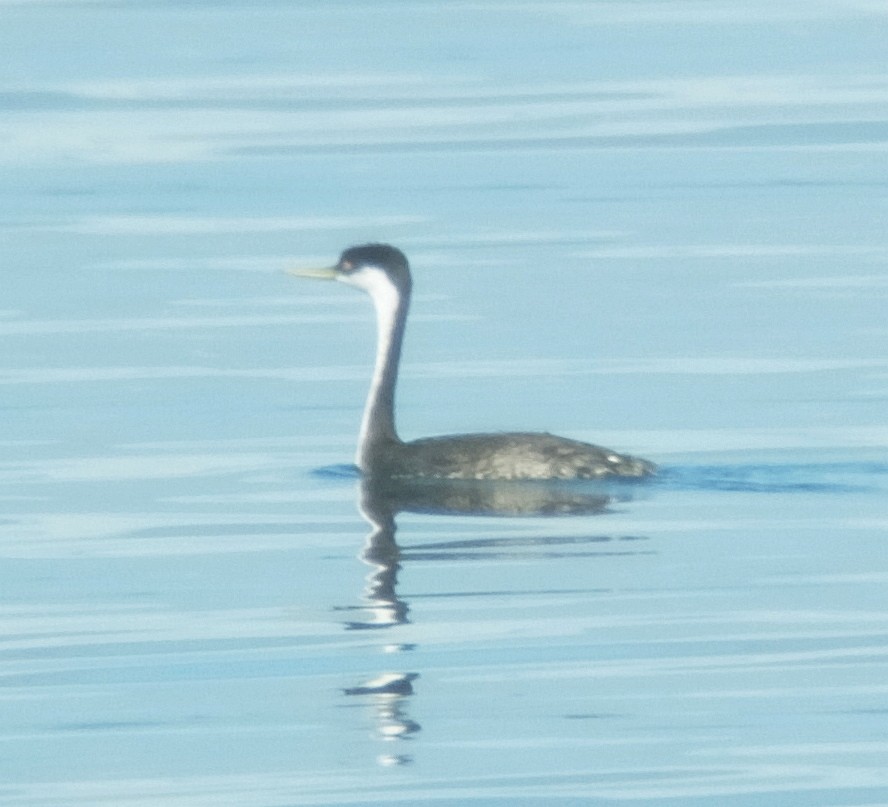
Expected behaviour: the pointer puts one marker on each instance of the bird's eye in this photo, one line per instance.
(346, 266)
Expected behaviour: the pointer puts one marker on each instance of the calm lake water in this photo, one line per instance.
(655, 225)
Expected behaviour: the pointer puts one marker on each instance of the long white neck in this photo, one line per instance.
(378, 422)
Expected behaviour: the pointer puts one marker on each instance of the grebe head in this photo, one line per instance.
(378, 269)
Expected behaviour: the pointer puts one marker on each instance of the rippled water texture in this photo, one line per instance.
(655, 225)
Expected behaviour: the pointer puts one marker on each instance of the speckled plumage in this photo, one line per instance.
(506, 456)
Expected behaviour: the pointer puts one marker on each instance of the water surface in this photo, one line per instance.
(658, 226)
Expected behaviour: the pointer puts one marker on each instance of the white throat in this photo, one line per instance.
(378, 418)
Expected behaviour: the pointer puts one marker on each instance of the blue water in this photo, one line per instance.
(658, 226)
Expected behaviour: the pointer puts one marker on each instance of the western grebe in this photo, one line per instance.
(383, 272)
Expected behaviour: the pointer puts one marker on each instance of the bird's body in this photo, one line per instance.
(382, 271)
(505, 456)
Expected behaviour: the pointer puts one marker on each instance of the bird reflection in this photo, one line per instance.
(381, 501)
